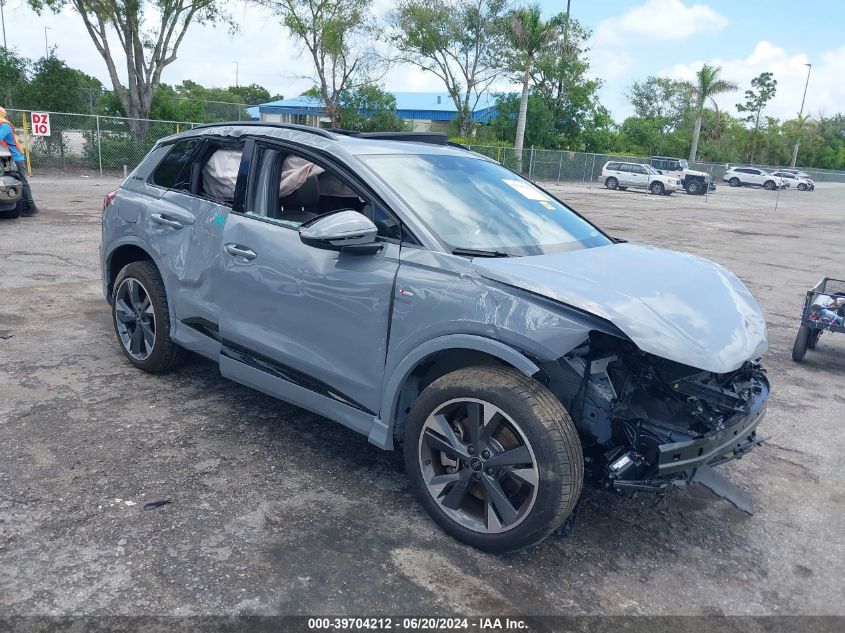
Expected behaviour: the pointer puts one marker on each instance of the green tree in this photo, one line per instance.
(763, 89)
(560, 75)
(662, 100)
(335, 34)
(146, 51)
(254, 94)
(370, 109)
(706, 86)
(56, 87)
(529, 36)
(459, 41)
(14, 70)
(540, 129)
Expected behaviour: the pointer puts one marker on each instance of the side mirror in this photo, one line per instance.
(347, 231)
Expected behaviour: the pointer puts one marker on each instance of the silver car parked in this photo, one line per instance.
(440, 304)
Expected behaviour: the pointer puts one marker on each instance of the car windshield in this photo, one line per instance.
(684, 163)
(650, 170)
(476, 204)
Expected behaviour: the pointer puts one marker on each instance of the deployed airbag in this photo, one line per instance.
(221, 173)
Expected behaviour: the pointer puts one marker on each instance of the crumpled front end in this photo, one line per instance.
(648, 423)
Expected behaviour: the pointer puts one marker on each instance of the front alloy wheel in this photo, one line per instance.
(493, 457)
(478, 466)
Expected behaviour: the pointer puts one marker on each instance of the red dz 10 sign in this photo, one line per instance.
(40, 124)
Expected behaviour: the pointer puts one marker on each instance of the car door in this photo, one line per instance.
(184, 227)
(624, 175)
(304, 324)
(639, 178)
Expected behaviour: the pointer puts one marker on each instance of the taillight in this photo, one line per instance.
(108, 199)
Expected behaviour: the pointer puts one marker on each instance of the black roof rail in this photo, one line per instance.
(432, 138)
(287, 126)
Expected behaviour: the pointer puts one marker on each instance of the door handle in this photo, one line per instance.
(240, 251)
(159, 218)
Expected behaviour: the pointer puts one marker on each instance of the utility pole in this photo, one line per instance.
(236, 74)
(46, 47)
(3, 21)
(800, 113)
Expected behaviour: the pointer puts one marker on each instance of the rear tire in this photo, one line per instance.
(623, 188)
(141, 318)
(814, 339)
(734, 182)
(456, 471)
(611, 183)
(802, 341)
(695, 187)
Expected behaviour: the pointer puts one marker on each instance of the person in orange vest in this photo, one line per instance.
(10, 142)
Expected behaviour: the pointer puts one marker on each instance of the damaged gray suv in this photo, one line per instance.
(438, 303)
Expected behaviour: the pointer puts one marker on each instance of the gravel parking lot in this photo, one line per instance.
(275, 510)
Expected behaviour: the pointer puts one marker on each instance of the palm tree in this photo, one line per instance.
(706, 86)
(528, 35)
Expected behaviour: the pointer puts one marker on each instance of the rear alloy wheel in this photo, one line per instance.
(657, 188)
(802, 342)
(493, 457)
(611, 183)
(734, 182)
(769, 185)
(142, 320)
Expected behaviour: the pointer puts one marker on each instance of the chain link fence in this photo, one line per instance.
(92, 145)
(562, 166)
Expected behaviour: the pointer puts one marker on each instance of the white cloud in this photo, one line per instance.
(663, 20)
(825, 94)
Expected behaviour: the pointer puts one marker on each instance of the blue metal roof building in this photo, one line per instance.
(424, 109)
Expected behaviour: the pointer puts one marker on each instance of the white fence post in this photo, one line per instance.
(592, 172)
(99, 146)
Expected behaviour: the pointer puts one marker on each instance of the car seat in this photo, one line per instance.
(302, 204)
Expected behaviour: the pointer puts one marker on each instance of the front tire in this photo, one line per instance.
(141, 318)
(769, 185)
(493, 457)
(657, 188)
(802, 187)
(611, 183)
(802, 342)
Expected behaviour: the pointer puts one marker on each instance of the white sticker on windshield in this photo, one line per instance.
(526, 190)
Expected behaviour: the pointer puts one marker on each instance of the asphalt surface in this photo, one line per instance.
(277, 511)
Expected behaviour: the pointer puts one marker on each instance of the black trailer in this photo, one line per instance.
(824, 310)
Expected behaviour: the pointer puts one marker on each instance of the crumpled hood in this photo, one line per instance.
(673, 305)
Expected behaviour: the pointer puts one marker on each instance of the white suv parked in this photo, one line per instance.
(620, 175)
(799, 180)
(738, 176)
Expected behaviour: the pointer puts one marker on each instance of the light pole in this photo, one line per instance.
(236, 74)
(46, 47)
(800, 114)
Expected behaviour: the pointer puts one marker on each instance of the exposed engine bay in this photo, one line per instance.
(647, 422)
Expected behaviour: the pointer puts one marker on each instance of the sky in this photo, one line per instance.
(631, 39)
